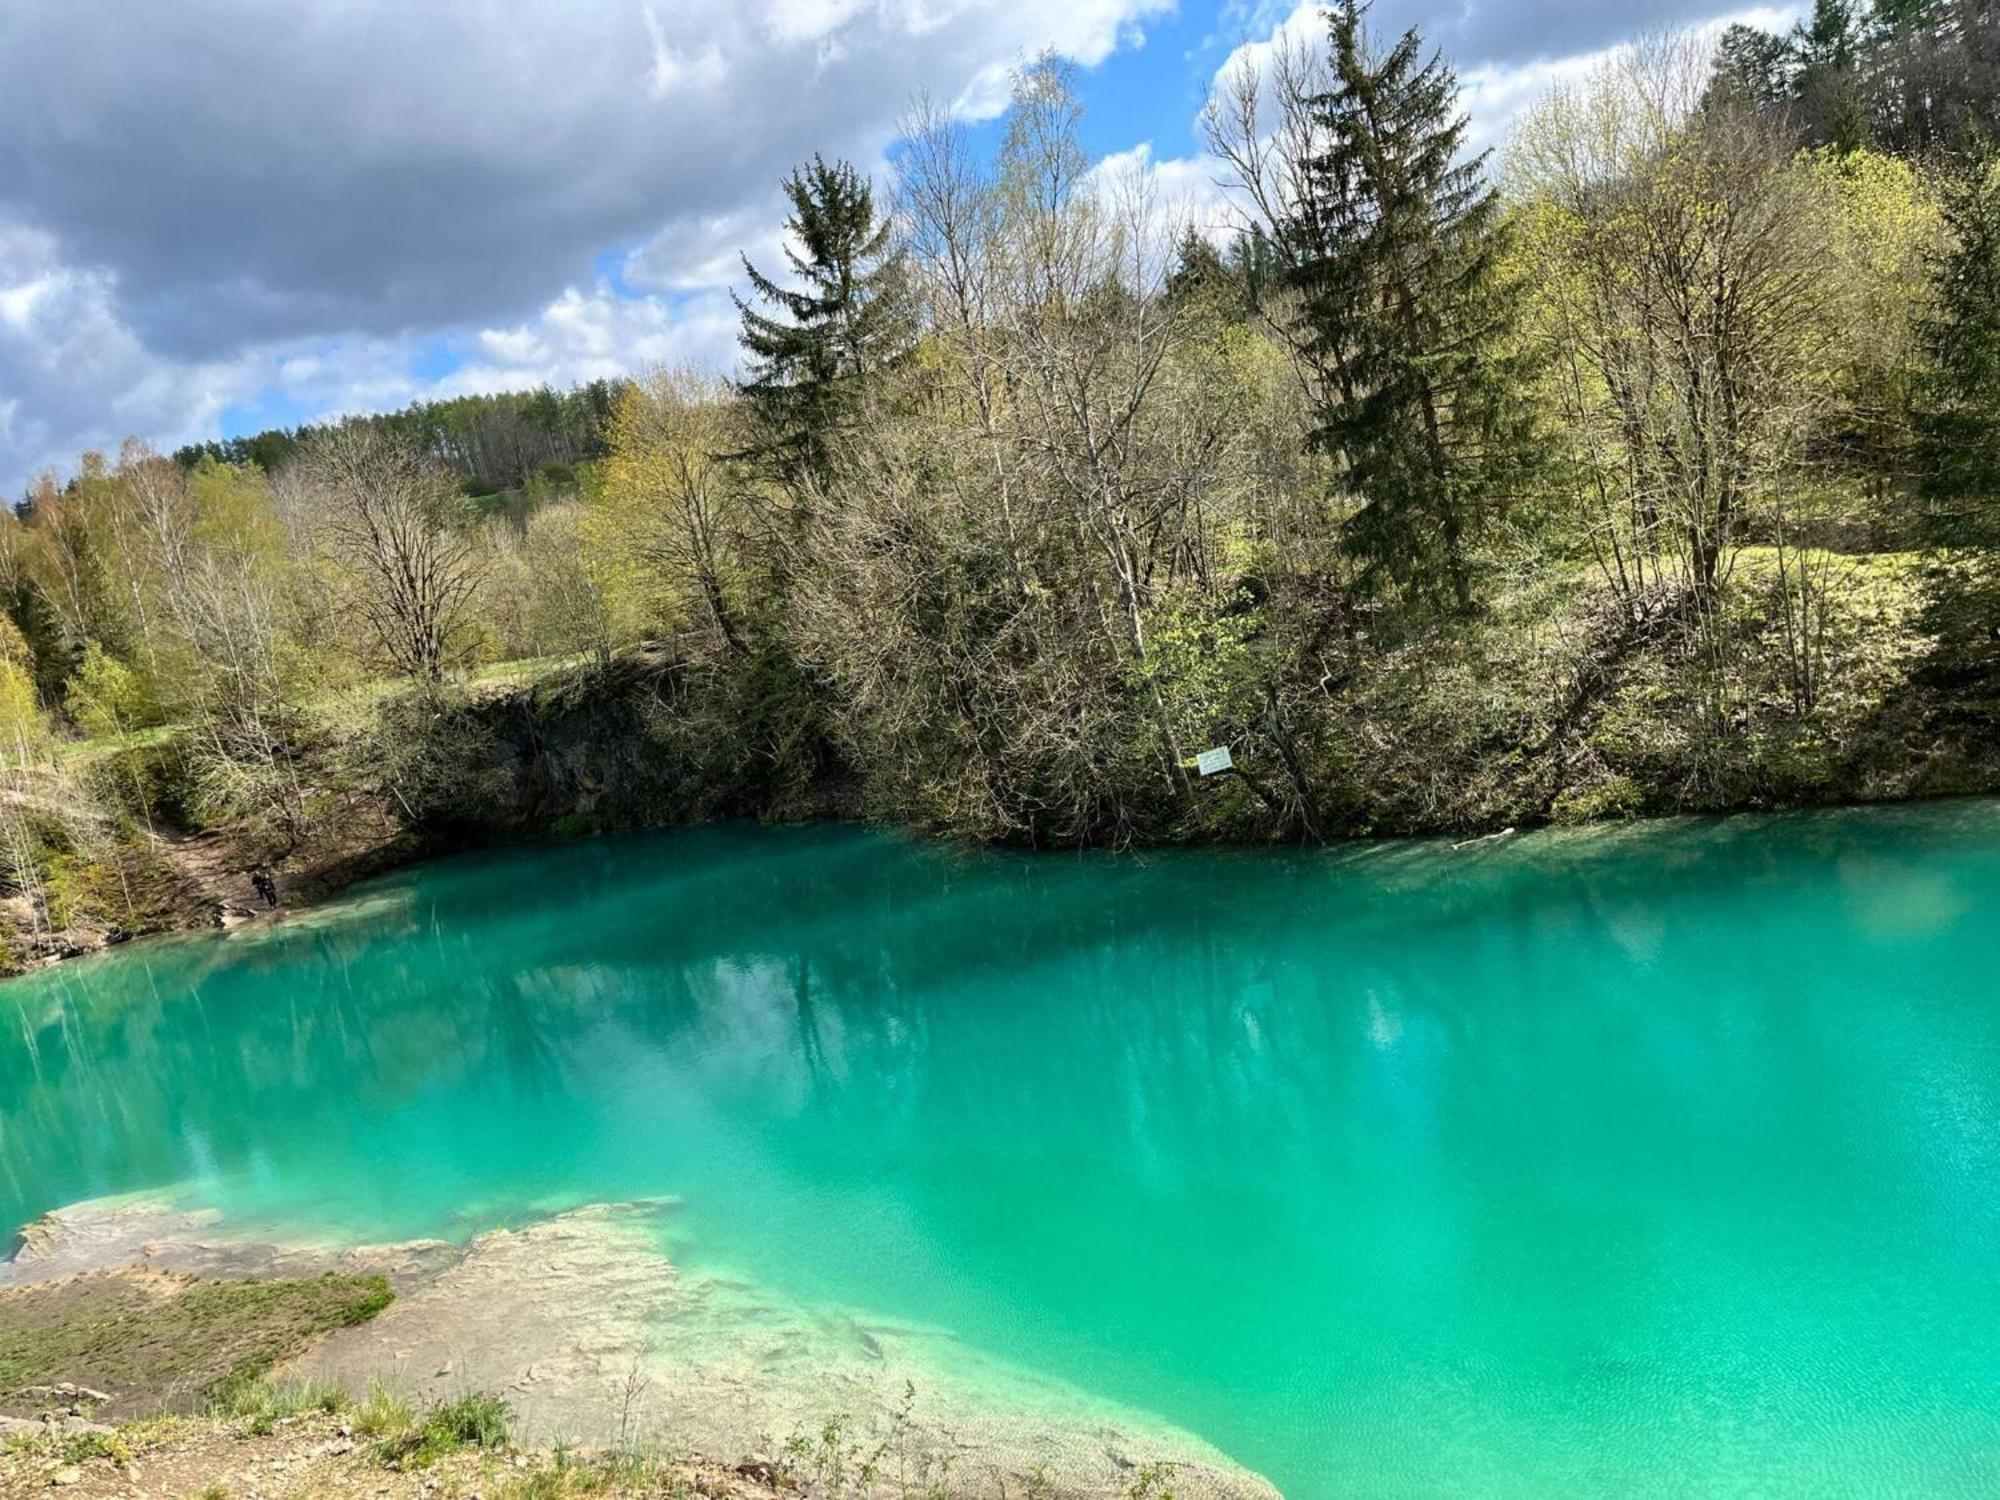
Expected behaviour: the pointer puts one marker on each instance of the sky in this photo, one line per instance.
(218, 216)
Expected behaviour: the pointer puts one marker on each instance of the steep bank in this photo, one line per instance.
(645, 740)
(135, 879)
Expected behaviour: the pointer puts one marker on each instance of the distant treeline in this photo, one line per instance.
(1909, 76)
(496, 442)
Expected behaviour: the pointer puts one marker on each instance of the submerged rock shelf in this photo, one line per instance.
(592, 1335)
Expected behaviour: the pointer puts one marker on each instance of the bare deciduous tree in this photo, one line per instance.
(394, 520)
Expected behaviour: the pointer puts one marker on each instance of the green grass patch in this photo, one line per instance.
(83, 752)
(130, 1441)
(260, 1404)
(476, 1421)
(171, 1343)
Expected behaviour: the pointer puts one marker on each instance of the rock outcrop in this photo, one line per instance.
(593, 1334)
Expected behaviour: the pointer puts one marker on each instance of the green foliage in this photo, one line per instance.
(509, 440)
(1611, 796)
(1959, 433)
(24, 728)
(14, 648)
(257, 1405)
(474, 1421)
(548, 1484)
(1752, 68)
(1443, 501)
(1398, 244)
(848, 317)
(111, 1447)
(1913, 76)
(383, 1414)
(214, 1337)
(107, 697)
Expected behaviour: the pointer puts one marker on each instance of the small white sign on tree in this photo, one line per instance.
(1214, 762)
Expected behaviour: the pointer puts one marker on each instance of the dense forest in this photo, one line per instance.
(1652, 464)
(493, 443)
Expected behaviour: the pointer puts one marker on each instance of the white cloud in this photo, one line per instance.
(599, 335)
(1303, 27)
(675, 68)
(77, 378)
(253, 173)
(1494, 93)
(1495, 97)
(578, 336)
(705, 250)
(1185, 191)
(808, 20)
(338, 377)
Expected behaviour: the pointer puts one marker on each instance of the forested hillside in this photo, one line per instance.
(1650, 465)
(493, 443)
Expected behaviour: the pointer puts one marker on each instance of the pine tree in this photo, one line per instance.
(1253, 261)
(1827, 40)
(1958, 427)
(1752, 70)
(1826, 49)
(1200, 275)
(1396, 255)
(812, 354)
(1890, 16)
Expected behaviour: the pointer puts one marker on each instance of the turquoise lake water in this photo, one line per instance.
(1654, 1161)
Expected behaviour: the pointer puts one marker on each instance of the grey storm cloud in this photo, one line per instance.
(1491, 34)
(257, 171)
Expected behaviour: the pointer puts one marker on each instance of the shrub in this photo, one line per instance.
(107, 697)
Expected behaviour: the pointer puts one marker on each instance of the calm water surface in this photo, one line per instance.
(1662, 1161)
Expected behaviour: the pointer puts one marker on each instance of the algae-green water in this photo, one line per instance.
(1650, 1161)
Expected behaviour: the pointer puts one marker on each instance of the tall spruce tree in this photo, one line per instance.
(1959, 431)
(813, 352)
(1396, 254)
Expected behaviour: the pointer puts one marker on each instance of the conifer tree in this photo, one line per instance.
(813, 352)
(1753, 69)
(1396, 257)
(1959, 431)
(1826, 49)
(1199, 271)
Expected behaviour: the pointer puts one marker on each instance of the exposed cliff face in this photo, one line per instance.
(651, 740)
(139, 879)
(635, 742)
(647, 740)
(641, 741)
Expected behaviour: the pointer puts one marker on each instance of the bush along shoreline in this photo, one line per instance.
(1649, 465)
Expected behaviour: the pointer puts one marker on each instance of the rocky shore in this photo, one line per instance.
(591, 1335)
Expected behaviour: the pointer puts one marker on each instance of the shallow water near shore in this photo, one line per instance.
(1658, 1160)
